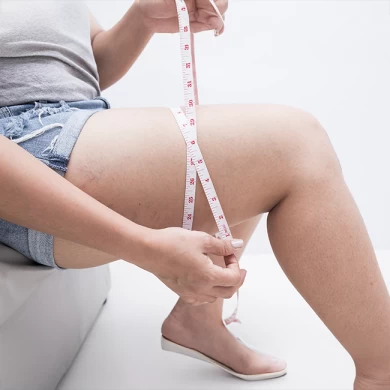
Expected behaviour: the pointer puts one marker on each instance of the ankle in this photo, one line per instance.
(211, 312)
(179, 321)
(186, 319)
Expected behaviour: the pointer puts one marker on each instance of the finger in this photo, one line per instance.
(201, 303)
(221, 247)
(222, 30)
(217, 23)
(226, 292)
(205, 24)
(231, 261)
(227, 277)
(197, 27)
(198, 300)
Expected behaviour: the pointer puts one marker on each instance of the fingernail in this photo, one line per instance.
(237, 243)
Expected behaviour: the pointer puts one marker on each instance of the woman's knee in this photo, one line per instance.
(309, 151)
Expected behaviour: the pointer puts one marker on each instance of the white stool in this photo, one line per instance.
(45, 315)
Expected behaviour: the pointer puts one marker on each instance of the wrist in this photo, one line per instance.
(138, 243)
(146, 23)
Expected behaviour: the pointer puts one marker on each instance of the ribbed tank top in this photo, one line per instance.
(45, 52)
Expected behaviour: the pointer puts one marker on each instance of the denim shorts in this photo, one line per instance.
(48, 131)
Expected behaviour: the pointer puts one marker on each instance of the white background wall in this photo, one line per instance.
(331, 58)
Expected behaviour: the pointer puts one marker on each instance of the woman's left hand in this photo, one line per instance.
(161, 15)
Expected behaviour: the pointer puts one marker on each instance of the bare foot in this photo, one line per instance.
(211, 338)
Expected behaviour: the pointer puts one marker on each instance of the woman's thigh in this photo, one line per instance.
(134, 161)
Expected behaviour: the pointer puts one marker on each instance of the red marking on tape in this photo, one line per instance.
(185, 28)
(186, 47)
(192, 122)
(188, 65)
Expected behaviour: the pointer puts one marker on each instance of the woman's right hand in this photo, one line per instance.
(160, 16)
(178, 257)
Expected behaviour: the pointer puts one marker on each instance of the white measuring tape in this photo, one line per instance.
(187, 123)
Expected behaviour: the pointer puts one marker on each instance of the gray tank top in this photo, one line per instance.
(45, 52)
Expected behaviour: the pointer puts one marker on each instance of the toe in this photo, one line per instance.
(277, 364)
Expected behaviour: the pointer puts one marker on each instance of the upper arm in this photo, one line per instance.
(96, 28)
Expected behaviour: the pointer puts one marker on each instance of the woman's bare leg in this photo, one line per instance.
(262, 159)
(196, 327)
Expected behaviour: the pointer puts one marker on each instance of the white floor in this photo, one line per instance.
(123, 351)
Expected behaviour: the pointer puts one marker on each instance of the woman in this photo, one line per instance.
(107, 208)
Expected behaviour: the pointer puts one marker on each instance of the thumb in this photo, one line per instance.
(224, 247)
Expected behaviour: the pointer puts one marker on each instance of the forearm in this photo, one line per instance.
(34, 196)
(117, 49)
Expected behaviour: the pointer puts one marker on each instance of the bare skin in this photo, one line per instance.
(275, 159)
